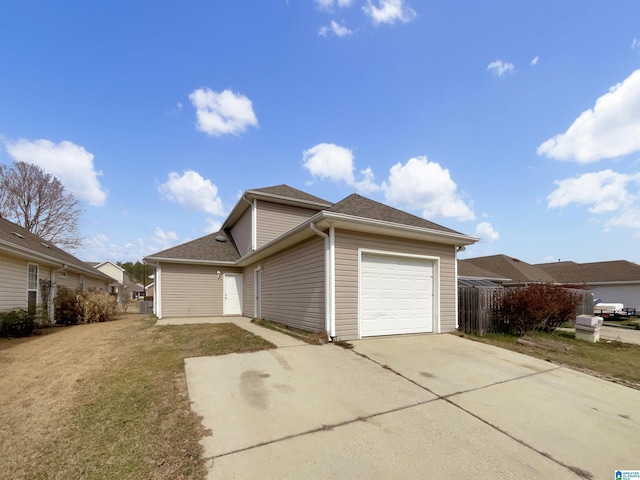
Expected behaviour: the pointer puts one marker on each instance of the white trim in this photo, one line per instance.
(254, 225)
(455, 287)
(157, 292)
(224, 292)
(257, 293)
(332, 281)
(29, 265)
(436, 281)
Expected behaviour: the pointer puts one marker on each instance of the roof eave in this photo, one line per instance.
(191, 261)
(51, 260)
(382, 227)
(242, 204)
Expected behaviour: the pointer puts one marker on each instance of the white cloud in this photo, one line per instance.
(329, 161)
(486, 233)
(389, 11)
(337, 29)
(328, 5)
(70, 163)
(635, 44)
(424, 185)
(534, 61)
(213, 225)
(221, 113)
(333, 162)
(604, 191)
(500, 68)
(610, 129)
(100, 247)
(193, 192)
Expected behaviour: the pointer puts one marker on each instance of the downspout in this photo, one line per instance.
(327, 279)
(54, 285)
(157, 295)
(254, 222)
(458, 248)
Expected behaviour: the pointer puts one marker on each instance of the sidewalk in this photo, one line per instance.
(280, 340)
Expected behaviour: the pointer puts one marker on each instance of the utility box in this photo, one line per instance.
(146, 306)
(588, 328)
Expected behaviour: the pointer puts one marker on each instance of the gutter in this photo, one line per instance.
(329, 280)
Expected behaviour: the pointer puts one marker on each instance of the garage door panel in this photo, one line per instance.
(396, 295)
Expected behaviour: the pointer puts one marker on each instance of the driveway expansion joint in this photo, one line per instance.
(323, 428)
(447, 398)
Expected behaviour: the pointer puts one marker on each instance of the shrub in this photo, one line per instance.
(16, 323)
(537, 307)
(97, 306)
(73, 307)
(67, 307)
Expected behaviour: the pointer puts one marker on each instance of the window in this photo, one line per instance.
(32, 288)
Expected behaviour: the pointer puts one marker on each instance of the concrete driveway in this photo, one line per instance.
(428, 406)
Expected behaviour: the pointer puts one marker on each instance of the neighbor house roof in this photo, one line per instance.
(217, 247)
(469, 270)
(509, 267)
(594, 272)
(18, 241)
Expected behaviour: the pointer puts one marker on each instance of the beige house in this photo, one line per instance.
(31, 270)
(352, 269)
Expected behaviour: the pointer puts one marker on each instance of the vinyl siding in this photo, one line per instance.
(346, 257)
(274, 220)
(90, 283)
(248, 279)
(113, 271)
(241, 233)
(293, 286)
(192, 290)
(13, 283)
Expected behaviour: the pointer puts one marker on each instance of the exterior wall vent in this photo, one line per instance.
(221, 239)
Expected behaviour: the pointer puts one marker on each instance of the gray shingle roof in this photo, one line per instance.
(613, 271)
(203, 248)
(509, 267)
(359, 206)
(289, 192)
(466, 269)
(25, 239)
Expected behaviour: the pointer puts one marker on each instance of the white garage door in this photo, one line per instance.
(396, 295)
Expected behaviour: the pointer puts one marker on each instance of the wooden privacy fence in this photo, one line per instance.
(478, 307)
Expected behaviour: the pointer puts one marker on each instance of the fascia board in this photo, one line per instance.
(350, 222)
(47, 259)
(189, 261)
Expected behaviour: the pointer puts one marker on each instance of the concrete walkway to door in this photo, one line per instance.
(425, 406)
(277, 338)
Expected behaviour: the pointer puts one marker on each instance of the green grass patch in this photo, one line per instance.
(133, 418)
(611, 360)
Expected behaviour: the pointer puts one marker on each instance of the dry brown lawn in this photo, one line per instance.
(106, 400)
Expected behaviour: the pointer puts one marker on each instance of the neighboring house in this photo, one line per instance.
(117, 288)
(612, 282)
(352, 269)
(123, 285)
(470, 275)
(514, 271)
(136, 290)
(149, 289)
(29, 266)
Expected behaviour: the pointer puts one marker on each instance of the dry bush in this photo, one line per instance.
(90, 306)
(538, 306)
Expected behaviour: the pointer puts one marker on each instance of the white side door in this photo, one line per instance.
(232, 294)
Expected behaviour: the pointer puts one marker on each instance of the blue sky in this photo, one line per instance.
(514, 121)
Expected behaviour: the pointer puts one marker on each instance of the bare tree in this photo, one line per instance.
(38, 202)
